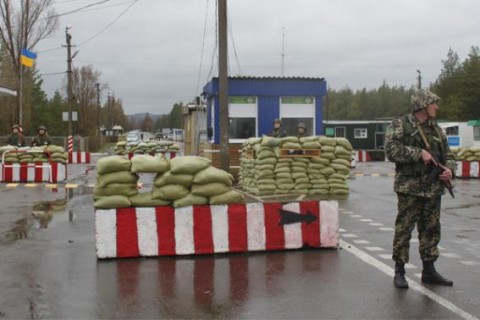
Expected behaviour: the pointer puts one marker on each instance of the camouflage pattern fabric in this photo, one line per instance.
(15, 140)
(425, 213)
(41, 140)
(404, 147)
(423, 98)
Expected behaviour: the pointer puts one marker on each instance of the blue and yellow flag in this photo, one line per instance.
(27, 58)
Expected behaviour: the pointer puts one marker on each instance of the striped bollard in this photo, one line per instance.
(70, 143)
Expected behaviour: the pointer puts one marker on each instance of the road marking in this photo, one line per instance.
(349, 235)
(450, 255)
(470, 263)
(410, 266)
(366, 220)
(361, 241)
(356, 216)
(375, 174)
(376, 224)
(374, 249)
(51, 185)
(413, 285)
(386, 229)
(385, 256)
(348, 212)
(12, 185)
(71, 186)
(342, 230)
(30, 185)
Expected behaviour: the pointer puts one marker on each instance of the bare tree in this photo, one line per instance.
(22, 25)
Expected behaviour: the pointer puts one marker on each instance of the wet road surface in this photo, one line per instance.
(49, 268)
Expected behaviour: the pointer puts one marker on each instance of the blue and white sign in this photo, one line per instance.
(453, 141)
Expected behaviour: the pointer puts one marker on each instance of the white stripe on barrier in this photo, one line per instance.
(256, 227)
(184, 230)
(220, 228)
(459, 167)
(329, 223)
(474, 169)
(106, 233)
(16, 172)
(147, 231)
(293, 232)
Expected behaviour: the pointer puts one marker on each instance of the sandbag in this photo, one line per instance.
(279, 182)
(188, 164)
(282, 165)
(114, 189)
(321, 160)
(342, 150)
(149, 164)
(190, 200)
(327, 171)
(228, 197)
(308, 139)
(285, 160)
(315, 191)
(328, 155)
(170, 192)
(212, 174)
(344, 143)
(302, 181)
(299, 175)
(304, 160)
(300, 164)
(266, 161)
(113, 164)
(280, 170)
(112, 202)
(292, 139)
(266, 167)
(286, 186)
(144, 199)
(316, 166)
(298, 169)
(340, 167)
(210, 189)
(343, 162)
(116, 177)
(291, 145)
(266, 154)
(326, 141)
(328, 149)
(312, 145)
(284, 175)
(266, 187)
(170, 178)
(264, 174)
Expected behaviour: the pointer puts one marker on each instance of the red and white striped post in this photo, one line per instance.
(70, 143)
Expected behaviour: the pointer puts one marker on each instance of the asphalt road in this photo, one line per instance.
(49, 269)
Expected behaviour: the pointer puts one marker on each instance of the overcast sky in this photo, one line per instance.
(151, 57)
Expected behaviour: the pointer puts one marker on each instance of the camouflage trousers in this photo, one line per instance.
(425, 213)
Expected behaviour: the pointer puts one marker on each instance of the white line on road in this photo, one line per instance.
(413, 285)
(361, 241)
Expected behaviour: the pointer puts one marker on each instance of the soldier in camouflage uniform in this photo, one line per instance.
(411, 141)
(16, 138)
(42, 138)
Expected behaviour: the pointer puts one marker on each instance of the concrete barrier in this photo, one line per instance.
(33, 172)
(362, 156)
(208, 229)
(467, 169)
(78, 157)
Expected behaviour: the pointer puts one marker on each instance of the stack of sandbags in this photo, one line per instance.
(57, 154)
(467, 154)
(35, 154)
(115, 183)
(263, 171)
(120, 148)
(11, 156)
(192, 180)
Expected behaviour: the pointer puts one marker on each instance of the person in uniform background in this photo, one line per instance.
(42, 138)
(16, 137)
(412, 141)
(278, 130)
(301, 130)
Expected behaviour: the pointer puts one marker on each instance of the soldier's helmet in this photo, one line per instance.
(422, 98)
(301, 125)
(15, 126)
(42, 128)
(279, 121)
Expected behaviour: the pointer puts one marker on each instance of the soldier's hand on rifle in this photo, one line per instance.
(427, 158)
(446, 175)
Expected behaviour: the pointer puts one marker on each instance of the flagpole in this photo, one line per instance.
(20, 116)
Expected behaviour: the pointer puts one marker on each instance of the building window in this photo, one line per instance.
(340, 132)
(451, 131)
(295, 110)
(360, 133)
(243, 112)
(476, 133)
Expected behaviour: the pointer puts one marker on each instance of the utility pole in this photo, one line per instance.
(69, 87)
(419, 80)
(98, 107)
(223, 84)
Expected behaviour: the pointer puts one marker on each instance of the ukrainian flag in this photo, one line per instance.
(27, 58)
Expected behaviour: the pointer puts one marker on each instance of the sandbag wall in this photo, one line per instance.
(467, 161)
(179, 182)
(49, 153)
(309, 165)
(145, 147)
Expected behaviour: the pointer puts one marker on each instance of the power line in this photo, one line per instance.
(233, 43)
(216, 42)
(203, 46)
(109, 25)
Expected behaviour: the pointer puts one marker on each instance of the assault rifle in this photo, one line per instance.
(438, 170)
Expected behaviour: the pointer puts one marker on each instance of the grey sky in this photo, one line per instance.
(150, 57)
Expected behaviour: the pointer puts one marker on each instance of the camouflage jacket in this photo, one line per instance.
(16, 140)
(404, 147)
(41, 140)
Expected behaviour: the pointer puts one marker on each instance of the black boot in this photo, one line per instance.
(399, 280)
(431, 276)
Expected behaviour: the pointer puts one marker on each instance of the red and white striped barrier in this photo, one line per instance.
(70, 144)
(362, 156)
(468, 169)
(167, 154)
(208, 229)
(78, 157)
(33, 172)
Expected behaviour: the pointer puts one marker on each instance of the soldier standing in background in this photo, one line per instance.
(301, 130)
(16, 138)
(278, 131)
(42, 138)
(418, 145)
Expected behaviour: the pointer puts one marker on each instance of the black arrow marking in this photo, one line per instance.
(289, 217)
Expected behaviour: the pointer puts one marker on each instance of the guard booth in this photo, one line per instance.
(255, 102)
